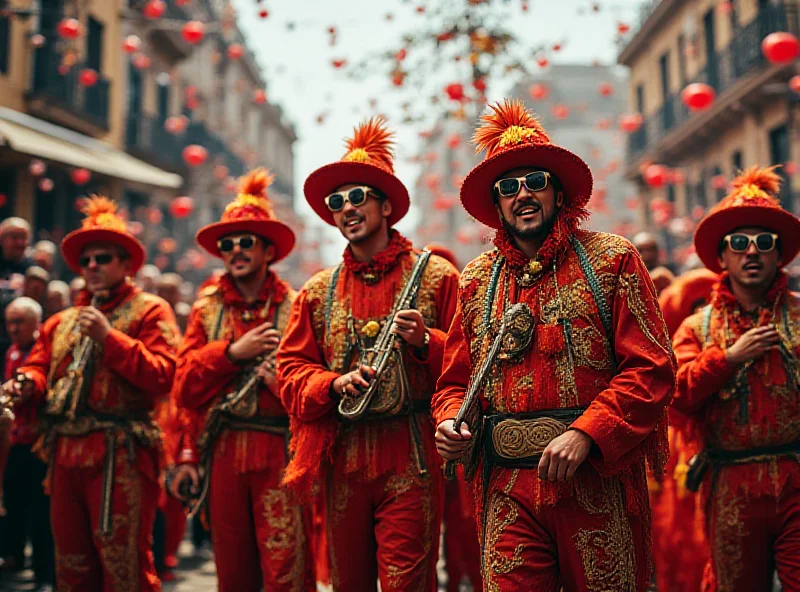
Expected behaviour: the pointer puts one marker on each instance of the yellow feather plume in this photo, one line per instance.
(509, 123)
(372, 143)
(758, 181)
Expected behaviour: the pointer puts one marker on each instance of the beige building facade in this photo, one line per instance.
(751, 121)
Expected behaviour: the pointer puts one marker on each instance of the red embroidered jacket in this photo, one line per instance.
(626, 411)
(205, 373)
(743, 407)
(312, 356)
(133, 368)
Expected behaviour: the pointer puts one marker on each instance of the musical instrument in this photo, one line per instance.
(513, 337)
(379, 356)
(68, 396)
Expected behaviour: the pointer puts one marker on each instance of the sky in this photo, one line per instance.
(292, 46)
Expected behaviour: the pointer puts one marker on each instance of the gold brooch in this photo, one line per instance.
(534, 266)
(371, 329)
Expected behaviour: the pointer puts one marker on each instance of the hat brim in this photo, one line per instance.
(325, 180)
(713, 228)
(276, 233)
(73, 245)
(570, 169)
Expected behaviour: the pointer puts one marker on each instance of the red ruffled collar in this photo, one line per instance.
(724, 296)
(117, 296)
(380, 263)
(555, 245)
(231, 296)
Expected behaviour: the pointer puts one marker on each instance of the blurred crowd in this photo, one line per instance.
(32, 290)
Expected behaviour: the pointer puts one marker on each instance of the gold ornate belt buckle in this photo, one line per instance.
(513, 439)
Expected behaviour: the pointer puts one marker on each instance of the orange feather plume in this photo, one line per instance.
(256, 182)
(372, 143)
(253, 192)
(101, 212)
(509, 123)
(764, 178)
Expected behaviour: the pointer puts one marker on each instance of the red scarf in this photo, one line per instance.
(555, 245)
(117, 295)
(231, 296)
(376, 267)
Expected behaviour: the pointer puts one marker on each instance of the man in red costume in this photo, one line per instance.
(739, 378)
(101, 366)
(574, 392)
(378, 471)
(680, 549)
(238, 428)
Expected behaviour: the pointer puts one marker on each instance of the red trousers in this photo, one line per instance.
(175, 524)
(259, 532)
(750, 539)
(462, 550)
(587, 543)
(87, 561)
(383, 529)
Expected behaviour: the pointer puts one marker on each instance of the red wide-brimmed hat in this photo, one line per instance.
(102, 224)
(512, 137)
(251, 212)
(370, 161)
(752, 202)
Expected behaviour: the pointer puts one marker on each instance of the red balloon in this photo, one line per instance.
(80, 176)
(260, 96)
(141, 61)
(180, 207)
(338, 63)
(46, 184)
(794, 84)
(479, 84)
(131, 44)
(539, 91)
(175, 125)
(790, 168)
(698, 212)
(543, 62)
(68, 28)
(455, 90)
(193, 32)
(656, 175)
(719, 182)
(780, 48)
(154, 216)
(155, 9)
(443, 203)
(235, 51)
(560, 111)
(698, 96)
(263, 13)
(221, 172)
(401, 54)
(161, 261)
(37, 168)
(623, 28)
(135, 228)
(454, 141)
(631, 123)
(192, 103)
(87, 77)
(195, 155)
(605, 89)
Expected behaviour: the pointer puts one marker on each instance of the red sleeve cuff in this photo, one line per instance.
(604, 429)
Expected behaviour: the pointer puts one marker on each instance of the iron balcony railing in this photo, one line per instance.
(90, 103)
(741, 56)
(146, 136)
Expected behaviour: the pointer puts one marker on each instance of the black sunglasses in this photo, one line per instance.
(99, 259)
(356, 196)
(740, 242)
(535, 181)
(246, 242)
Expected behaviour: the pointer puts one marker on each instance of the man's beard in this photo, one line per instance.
(539, 233)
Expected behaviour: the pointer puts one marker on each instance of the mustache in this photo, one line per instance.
(237, 258)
